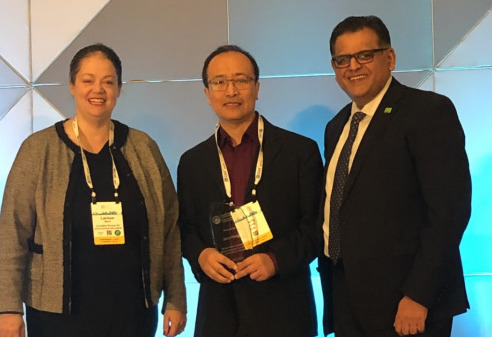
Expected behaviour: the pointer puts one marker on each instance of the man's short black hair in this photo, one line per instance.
(225, 49)
(355, 23)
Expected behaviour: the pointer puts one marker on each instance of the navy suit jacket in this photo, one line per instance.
(288, 194)
(406, 205)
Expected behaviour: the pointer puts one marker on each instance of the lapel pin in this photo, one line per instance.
(387, 110)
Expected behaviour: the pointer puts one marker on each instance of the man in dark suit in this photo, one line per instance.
(397, 197)
(249, 164)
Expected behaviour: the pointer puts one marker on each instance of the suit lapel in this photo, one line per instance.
(332, 134)
(271, 147)
(386, 110)
(335, 130)
(211, 164)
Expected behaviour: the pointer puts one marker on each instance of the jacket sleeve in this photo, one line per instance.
(17, 223)
(296, 248)
(174, 287)
(192, 243)
(437, 144)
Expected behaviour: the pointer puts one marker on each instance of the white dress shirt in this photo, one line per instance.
(369, 109)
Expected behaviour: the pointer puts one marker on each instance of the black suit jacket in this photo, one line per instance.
(288, 194)
(405, 208)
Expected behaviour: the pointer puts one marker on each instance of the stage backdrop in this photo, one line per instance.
(441, 45)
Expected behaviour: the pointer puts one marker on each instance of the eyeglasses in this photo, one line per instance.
(240, 83)
(362, 57)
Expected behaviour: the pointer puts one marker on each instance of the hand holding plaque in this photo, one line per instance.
(236, 231)
(224, 232)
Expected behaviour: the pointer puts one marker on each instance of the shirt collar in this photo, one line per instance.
(251, 133)
(371, 107)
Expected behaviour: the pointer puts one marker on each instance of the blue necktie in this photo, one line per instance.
(341, 174)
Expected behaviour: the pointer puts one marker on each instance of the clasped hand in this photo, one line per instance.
(220, 268)
(410, 318)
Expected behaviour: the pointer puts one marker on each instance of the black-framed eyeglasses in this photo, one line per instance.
(364, 56)
(240, 83)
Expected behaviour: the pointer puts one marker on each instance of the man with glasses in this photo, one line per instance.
(262, 184)
(397, 197)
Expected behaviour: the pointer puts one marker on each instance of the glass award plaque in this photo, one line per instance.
(224, 232)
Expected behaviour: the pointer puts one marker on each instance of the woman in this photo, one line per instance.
(88, 235)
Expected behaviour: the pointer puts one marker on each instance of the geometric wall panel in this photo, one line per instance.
(411, 78)
(427, 83)
(8, 97)
(14, 41)
(470, 92)
(175, 114)
(44, 114)
(302, 104)
(15, 126)
(8, 76)
(476, 322)
(59, 98)
(471, 52)
(277, 24)
(289, 37)
(48, 40)
(453, 20)
(152, 37)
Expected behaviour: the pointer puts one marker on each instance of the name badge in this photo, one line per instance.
(251, 225)
(107, 223)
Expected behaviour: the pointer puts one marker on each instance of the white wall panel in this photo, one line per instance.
(453, 19)
(474, 50)
(155, 39)
(14, 35)
(428, 83)
(291, 37)
(55, 24)
(44, 114)
(8, 98)
(15, 126)
(470, 91)
(9, 76)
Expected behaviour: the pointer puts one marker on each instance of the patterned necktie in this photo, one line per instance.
(341, 174)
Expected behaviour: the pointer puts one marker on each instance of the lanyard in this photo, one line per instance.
(259, 162)
(87, 172)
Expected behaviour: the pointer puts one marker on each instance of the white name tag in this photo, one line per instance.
(251, 225)
(107, 223)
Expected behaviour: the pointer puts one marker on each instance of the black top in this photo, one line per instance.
(105, 277)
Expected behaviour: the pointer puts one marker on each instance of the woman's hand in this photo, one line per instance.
(174, 322)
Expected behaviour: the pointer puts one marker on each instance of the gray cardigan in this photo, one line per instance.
(32, 210)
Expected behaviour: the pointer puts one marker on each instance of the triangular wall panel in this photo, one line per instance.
(411, 78)
(428, 83)
(470, 91)
(154, 38)
(14, 128)
(48, 40)
(471, 52)
(453, 20)
(8, 98)
(14, 39)
(8, 76)
(59, 97)
(44, 114)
